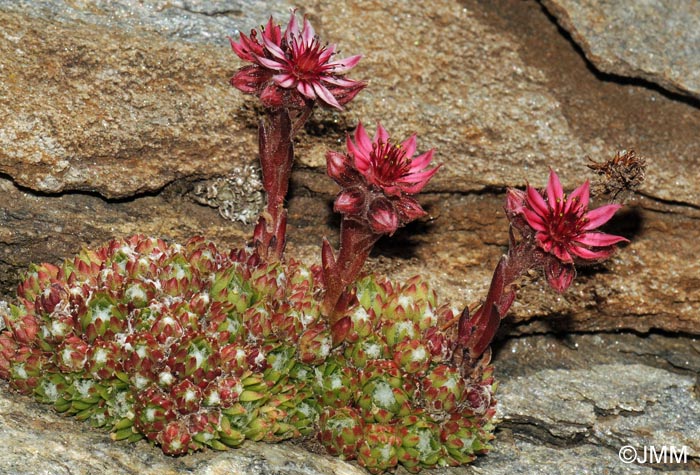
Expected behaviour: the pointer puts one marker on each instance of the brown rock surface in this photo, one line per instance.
(91, 108)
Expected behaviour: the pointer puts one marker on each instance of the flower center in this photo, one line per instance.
(306, 59)
(389, 162)
(564, 226)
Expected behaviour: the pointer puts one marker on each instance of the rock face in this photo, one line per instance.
(631, 39)
(107, 112)
(116, 114)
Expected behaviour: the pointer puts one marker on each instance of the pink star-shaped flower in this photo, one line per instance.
(294, 67)
(377, 176)
(565, 227)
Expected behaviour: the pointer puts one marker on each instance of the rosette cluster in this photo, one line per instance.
(190, 347)
(393, 394)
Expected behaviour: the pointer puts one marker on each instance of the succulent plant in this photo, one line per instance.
(190, 347)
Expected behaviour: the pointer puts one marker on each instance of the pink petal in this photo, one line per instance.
(240, 49)
(580, 195)
(362, 164)
(409, 146)
(271, 64)
(325, 55)
(562, 253)
(248, 79)
(599, 216)
(412, 186)
(347, 93)
(305, 89)
(340, 81)
(325, 95)
(308, 33)
(560, 276)
(381, 135)
(286, 81)
(536, 202)
(362, 140)
(344, 65)
(353, 149)
(273, 32)
(292, 26)
(421, 161)
(555, 193)
(588, 254)
(600, 239)
(274, 49)
(247, 48)
(420, 177)
(535, 221)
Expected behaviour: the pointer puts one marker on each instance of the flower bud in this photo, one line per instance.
(408, 209)
(559, 275)
(350, 201)
(382, 217)
(515, 201)
(272, 96)
(337, 166)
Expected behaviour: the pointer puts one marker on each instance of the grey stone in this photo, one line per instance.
(654, 40)
(200, 21)
(238, 196)
(39, 442)
(608, 402)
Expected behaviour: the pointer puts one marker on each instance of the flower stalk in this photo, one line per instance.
(276, 158)
(356, 242)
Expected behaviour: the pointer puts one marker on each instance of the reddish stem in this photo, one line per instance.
(275, 140)
(356, 241)
(476, 332)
